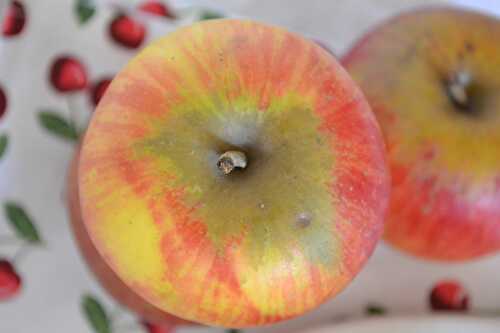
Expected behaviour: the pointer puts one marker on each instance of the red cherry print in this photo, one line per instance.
(67, 74)
(127, 31)
(3, 102)
(14, 20)
(449, 296)
(98, 89)
(10, 282)
(156, 328)
(156, 8)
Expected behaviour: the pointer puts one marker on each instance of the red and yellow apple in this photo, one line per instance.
(104, 274)
(234, 175)
(432, 77)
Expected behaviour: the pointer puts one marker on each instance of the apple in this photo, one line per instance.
(431, 77)
(449, 295)
(104, 274)
(234, 175)
(10, 281)
(67, 74)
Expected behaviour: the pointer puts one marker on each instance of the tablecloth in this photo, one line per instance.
(51, 40)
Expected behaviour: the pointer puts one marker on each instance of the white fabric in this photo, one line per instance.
(34, 170)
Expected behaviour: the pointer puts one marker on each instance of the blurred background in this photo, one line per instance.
(41, 114)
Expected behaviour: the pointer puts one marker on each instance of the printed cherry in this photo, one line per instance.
(98, 89)
(10, 281)
(449, 296)
(155, 328)
(127, 31)
(3, 102)
(156, 8)
(14, 20)
(67, 74)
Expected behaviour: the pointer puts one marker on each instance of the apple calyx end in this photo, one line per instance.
(230, 160)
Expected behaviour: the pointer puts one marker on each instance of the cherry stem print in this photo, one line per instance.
(21, 253)
(9, 240)
(124, 327)
(117, 322)
(73, 112)
(116, 314)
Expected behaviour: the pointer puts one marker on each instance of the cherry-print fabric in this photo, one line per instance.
(57, 58)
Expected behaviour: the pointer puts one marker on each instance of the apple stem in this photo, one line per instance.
(457, 89)
(230, 160)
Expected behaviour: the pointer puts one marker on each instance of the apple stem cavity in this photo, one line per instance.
(230, 160)
(457, 90)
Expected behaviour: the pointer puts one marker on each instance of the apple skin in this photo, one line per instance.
(444, 160)
(104, 274)
(261, 244)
